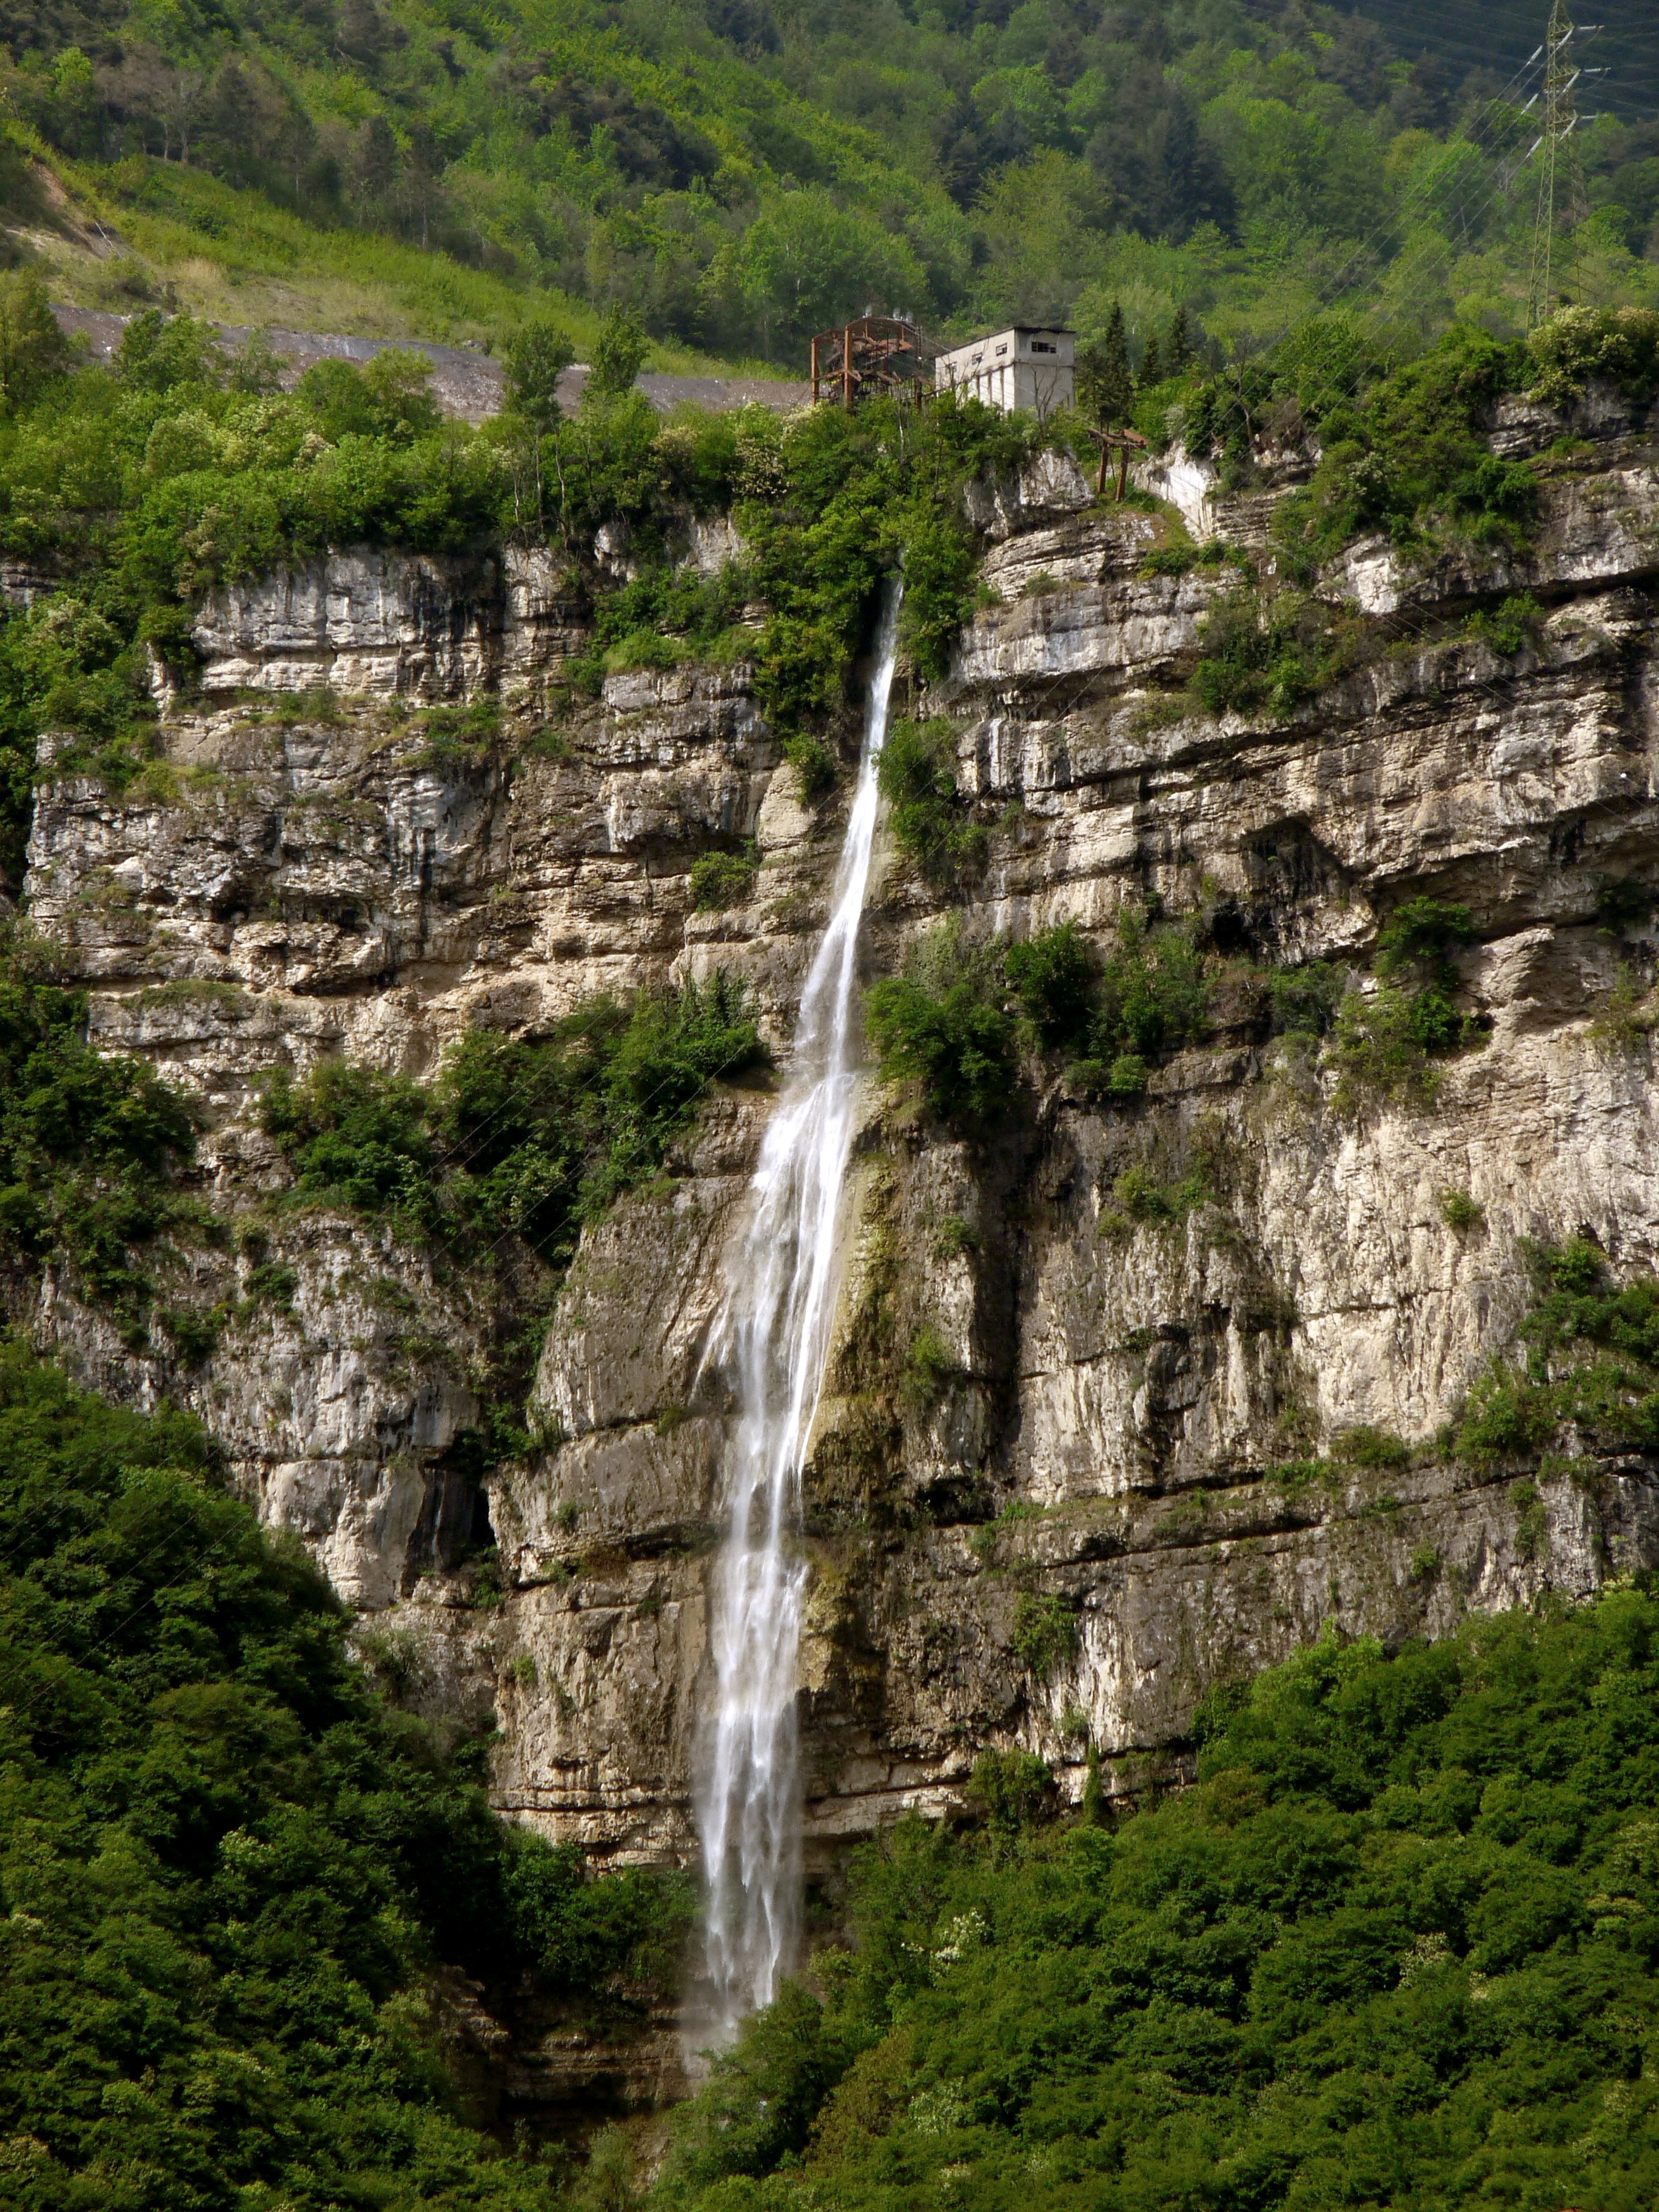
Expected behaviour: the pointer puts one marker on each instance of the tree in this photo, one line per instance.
(537, 356)
(1105, 389)
(1152, 363)
(1178, 346)
(805, 264)
(74, 113)
(257, 369)
(158, 354)
(619, 354)
(373, 162)
(31, 347)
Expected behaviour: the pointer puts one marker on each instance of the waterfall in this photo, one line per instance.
(775, 1338)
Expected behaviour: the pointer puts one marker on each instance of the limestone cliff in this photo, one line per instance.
(304, 875)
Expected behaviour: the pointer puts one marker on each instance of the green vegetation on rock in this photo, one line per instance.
(1591, 1365)
(952, 1025)
(92, 1147)
(916, 776)
(535, 1137)
(1387, 1043)
(943, 1026)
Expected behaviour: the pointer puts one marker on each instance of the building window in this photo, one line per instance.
(1001, 349)
(1039, 345)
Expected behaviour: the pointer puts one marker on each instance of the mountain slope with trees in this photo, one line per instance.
(741, 173)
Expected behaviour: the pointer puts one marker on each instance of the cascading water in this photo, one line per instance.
(779, 1308)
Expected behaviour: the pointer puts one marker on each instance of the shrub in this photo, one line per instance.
(1045, 1634)
(760, 2097)
(1506, 1418)
(1509, 625)
(159, 353)
(1053, 975)
(1303, 1001)
(91, 1146)
(723, 879)
(662, 616)
(1373, 1449)
(943, 1025)
(1263, 655)
(1460, 1211)
(1152, 993)
(1409, 456)
(1147, 994)
(456, 739)
(522, 1137)
(1384, 1042)
(665, 1056)
(1620, 344)
(1532, 1520)
(1379, 1051)
(1144, 1197)
(916, 776)
(812, 761)
(1420, 935)
(1012, 1791)
(1627, 1015)
(354, 1137)
(929, 1370)
(940, 585)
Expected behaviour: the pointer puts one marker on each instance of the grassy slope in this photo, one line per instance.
(196, 243)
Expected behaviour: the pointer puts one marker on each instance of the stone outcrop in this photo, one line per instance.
(1122, 1477)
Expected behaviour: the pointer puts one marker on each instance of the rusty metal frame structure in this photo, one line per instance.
(872, 354)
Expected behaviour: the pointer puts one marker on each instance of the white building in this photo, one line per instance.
(1021, 368)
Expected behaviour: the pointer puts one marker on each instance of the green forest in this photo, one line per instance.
(229, 1866)
(741, 173)
(1396, 1948)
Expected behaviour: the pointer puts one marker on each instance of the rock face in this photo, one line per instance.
(1091, 1503)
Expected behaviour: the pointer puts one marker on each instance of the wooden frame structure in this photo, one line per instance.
(874, 353)
(1122, 443)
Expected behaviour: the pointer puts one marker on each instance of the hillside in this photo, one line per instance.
(743, 174)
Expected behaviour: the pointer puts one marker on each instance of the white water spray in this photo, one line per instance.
(778, 1314)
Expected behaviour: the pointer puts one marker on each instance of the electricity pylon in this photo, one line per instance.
(1560, 185)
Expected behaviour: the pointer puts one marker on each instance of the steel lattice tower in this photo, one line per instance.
(1557, 166)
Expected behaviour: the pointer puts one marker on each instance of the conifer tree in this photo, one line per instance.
(1152, 363)
(1178, 347)
(1105, 388)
